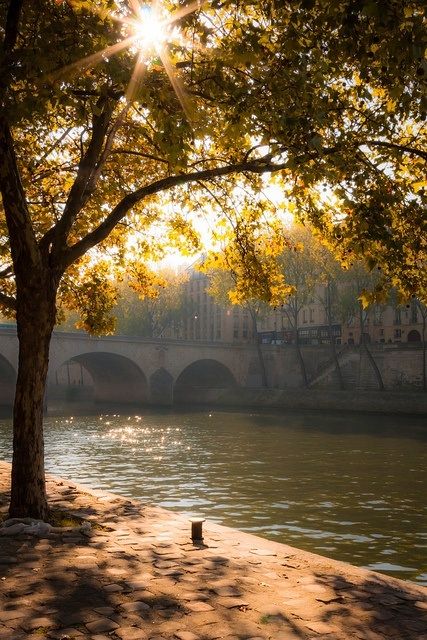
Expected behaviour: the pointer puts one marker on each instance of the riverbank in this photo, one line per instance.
(355, 400)
(136, 575)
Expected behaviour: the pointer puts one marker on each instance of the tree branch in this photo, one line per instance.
(130, 152)
(23, 243)
(399, 147)
(9, 41)
(7, 272)
(12, 23)
(87, 173)
(259, 165)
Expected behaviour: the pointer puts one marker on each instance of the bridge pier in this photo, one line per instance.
(161, 388)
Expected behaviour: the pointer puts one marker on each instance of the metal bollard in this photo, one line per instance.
(196, 529)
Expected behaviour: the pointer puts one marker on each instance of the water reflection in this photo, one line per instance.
(351, 487)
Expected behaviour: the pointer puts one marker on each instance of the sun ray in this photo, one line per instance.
(147, 30)
(94, 58)
(176, 83)
(184, 11)
(136, 78)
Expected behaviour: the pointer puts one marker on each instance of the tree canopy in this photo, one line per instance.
(330, 96)
(115, 141)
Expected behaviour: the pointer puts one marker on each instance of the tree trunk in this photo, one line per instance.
(374, 366)
(424, 354)
(264, 379)
(332, 338)
(301, 361)
(298, 346)
(364, 345)
(36, 310)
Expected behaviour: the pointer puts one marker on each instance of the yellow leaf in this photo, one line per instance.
(417, 186)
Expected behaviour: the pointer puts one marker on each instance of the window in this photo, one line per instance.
(236, 327)
(398, 316)
(414, 312)
(377, 315)
(311, 315)
(304, 316)
(245, 327)
(398, 333)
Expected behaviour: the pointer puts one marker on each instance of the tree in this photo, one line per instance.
(299, 266)
(152, 315)
(354, 285)
(101, 158)
(328, 272)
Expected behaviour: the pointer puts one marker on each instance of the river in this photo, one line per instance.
(348, 486)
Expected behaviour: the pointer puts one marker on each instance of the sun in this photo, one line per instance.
(148, 30)
(151, 30)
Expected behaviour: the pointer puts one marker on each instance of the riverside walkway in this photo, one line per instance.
(136, 575)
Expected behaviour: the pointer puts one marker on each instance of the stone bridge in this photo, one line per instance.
(119, 369)
(135, 371)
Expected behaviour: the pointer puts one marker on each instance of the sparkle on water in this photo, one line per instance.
(351, 487)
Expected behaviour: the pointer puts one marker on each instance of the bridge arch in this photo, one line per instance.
(7, 383)
(202, 381)
(100, 377)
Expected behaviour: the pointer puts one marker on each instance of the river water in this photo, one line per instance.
(347, 486)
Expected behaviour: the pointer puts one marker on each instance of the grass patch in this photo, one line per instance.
(64, 519)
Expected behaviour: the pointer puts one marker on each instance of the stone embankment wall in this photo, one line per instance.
(400, 367)
(321, 399)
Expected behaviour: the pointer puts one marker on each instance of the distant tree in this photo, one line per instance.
(221, 283)
(328, 272)
(300, 270)
(353, 285)
(164, 307)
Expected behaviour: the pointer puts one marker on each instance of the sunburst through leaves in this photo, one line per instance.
(148, 31)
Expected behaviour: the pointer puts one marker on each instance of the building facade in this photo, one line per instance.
(316, 323)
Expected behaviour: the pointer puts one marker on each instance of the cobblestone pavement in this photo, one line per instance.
(139, 577)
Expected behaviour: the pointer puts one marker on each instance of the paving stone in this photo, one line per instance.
(320, 627)
(199, 606)
(37, 623)
(227, 591)
(13, 614)
(137, 585)
(7, 560)
(263, 552)
(113, 588)
(70, 618)
(131, 633)
(233, 603)
(104, 611)
(102, 625)
(7, 634)
(135, 607)
(186, 635)
(65, 634)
